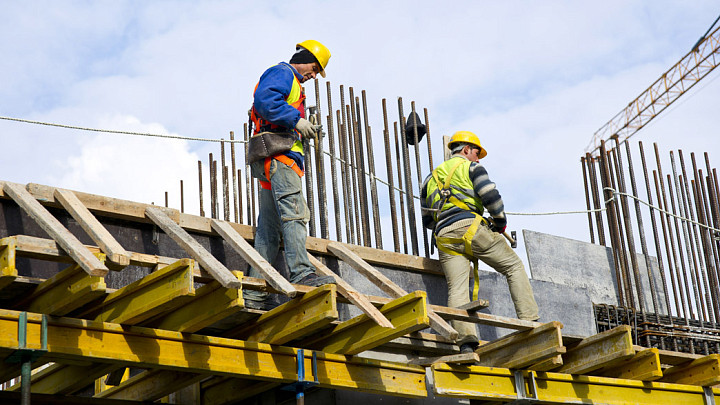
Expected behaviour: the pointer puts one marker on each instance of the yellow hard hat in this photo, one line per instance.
(467, 137)
(321, 53)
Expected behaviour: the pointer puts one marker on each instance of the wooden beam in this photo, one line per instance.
(428, 343)
(240, 245)
(75, 339)
(210, 303)
(8, 271)
(226, 391)
(64, 379)
(644, 366)
(97, 232)
(294, 319)
(193, 248)
(524, 348)
(473, 306)
(704, 371)
(55, 229)
(347, 291)
(385, 284)
(65, 292)
(149, 296)
(602, 350)
(408, 314)
(151, 385)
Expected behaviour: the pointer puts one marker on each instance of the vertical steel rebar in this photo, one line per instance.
(166, 199)
(355, 185)
(427, 134)
(249, 181)
(320, 169)
(622, 252)
(389, 170)
(682, 270)
(333, 169)
(587, 199)
(373, 182)
(707, 251)
(182, 197)
(213, 213)
(612, 223)
(345, 174)
(223, 167)
(239, 197)
(309, 189)
(419, 172)
(200, 188)
(596, 199)
(360, 160)
(408, 181)
(235, 180)
(400, 187)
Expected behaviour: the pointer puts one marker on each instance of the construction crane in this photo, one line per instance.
(672, 84)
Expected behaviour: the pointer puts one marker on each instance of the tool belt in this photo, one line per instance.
(282, 159)
(466, 240)
(268, 144)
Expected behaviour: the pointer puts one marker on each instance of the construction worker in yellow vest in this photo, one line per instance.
(454, 198)
(278, 115)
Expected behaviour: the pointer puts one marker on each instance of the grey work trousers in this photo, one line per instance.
(492, 249)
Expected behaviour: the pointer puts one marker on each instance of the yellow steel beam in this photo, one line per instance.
(407, 314)
(704, 371)
(149, 296)
(8, 272)
(597, 351)
(523, 348)
(498, 384)
(294, 319)
(211, 303)
(65, 292)
(82, 340)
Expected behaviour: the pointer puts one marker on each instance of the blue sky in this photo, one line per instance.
(534, 80)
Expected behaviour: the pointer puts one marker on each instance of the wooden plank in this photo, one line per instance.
(523, 348)
(65, 292)
(644, 366)
(292, 320)
(240, 245)
(549, 364)
(347, 291)
(151, 385)
(385, 284)
(602, 350)
(65, 379)
(408, 314)
(97, 232)
(463, 358)
(704, 371)
(149, 296)
(473, 306)
(419, 342)
(672, 358)
(211, 303)
(56, 230)
(8, 271)
(193, 248)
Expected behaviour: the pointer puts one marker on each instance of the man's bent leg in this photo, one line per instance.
(491, 248)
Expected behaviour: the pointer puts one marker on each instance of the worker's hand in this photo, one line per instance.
(498, 225)
(306, 129)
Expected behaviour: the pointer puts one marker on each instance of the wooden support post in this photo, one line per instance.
(150, 296)
(602, 350)
(97, 232)
(65, 292)
(210, 303)
(408, 314)
(194, 249)
(347, 291)
(295, 319)
(524, 348)
(8, 271)
(55, 229)
(704, 371)
(242, 247)
(385, 284)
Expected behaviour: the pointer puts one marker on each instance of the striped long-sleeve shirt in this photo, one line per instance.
(483, 188)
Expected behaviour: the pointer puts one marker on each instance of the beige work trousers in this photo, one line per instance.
(492, 249)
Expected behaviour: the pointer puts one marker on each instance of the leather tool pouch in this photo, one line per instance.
(267, 144)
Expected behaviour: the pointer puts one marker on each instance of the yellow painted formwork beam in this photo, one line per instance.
(523, 348)
(408, 314)
(65, 379)
(210, 303)
(92, 341)
(149, 385)
(8, 271)
(598, 351)
(295, 319)
(704, 371)
(499, 384)
(149, 296)
(645, 366)
(65, 292)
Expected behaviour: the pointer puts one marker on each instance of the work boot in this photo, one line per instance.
(313, 280)
(468, 347)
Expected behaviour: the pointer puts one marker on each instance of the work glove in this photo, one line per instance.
(498, 225)
(306, 129)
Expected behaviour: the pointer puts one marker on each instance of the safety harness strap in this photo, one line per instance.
(466, 240)
(283, 159)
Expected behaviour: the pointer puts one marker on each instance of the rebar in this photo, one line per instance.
(389, 170)
(587, 199)
(596, 199)
(400, 187)
(419, 171)
(408, 181)
(345, 174)
(333, 169)
(235, 179)
(355, 185)
(226, 197)
(373, 182)
(360, 162)
(612, 224)
(200, 188)
(239, 197)
(182, 197)
(309, 186)
(320, 168)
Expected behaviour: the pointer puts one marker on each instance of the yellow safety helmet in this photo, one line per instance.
(467, 137)
(321, 53)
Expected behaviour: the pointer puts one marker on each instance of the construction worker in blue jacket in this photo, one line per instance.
(279, 106)
(453, 199)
